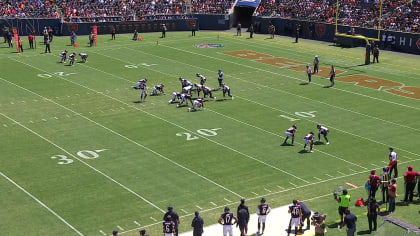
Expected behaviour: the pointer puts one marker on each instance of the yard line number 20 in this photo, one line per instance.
(205, 132)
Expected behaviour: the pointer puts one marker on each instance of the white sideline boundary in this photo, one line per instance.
(41, 203)
(277, 224)
(124, 137)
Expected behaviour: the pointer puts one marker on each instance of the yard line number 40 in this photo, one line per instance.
(205, 132)
(85, 154)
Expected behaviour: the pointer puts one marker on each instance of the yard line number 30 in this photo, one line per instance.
(85, 154)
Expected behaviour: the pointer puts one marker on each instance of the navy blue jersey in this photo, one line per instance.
(309, 137)
(291, 130)
(169, 227)
(295, 210)
(263, 209)
(227, 218)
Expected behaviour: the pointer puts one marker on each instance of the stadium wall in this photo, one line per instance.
(405, 42)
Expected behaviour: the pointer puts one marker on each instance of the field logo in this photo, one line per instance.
(418, 43)
(208, 45)
(320, 29)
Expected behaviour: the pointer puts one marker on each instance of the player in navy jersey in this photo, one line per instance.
(63, 56)
(202, 78)
(168, 226)
(198, 88)
(72, 58)
(175, 96)
(208, 91)
(226, 220)
(226, 89)
(158, 89)
(296, 215)
(309, 140)
(262, 211)
(324, 131)
(197, 105)
(290, 133)
(220, 78)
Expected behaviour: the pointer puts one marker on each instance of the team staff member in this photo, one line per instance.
(332, 76)
(143, 232)
(47, 46)
(297, 33)
(251, 31)
(392, 194)
(306, 214)
(374, 182)
(226, 220)
(20, 44)
(243, 207)
(238, 29)
(344, 201)
(384, 184)
(350, 221)
(174, 217)
(31, 41)
(376, 54)
(372, 214)
(193, 29)
(393, 161)
(113, 33)
(91, 39)
(243, 218)
(197, 224)
(164, 29)
(410, 183)
(316, 64)
(309, 72)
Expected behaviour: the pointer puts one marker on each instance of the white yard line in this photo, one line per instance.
(137, 223)
(214, 204)
(83, 162)
(269, 87)
(317, 178)
(122, 136)
(41, 203)
(184, 211)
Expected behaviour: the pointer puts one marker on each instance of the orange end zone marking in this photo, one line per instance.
(247, 54)
(352, 185)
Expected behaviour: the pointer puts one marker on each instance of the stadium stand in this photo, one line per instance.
(28, 8)
(399, 15)
(212, 6)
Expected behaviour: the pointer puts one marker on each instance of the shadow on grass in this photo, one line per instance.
(137, 101)
(319, 143)
(286, 144)
(363, 232)
(304, 83)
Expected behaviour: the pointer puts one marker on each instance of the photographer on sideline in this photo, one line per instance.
(344, 201)
(318, 222)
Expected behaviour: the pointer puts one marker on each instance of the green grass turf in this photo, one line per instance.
(50, 109)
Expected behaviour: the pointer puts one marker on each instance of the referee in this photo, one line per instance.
(47, 46)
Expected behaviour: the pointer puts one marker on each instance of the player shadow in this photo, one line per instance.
(286, 144)
(363, 232)
(220, 100)
(304, 151)
(137, 102)
(68, 65)
(328, 86)
(304, 83)
(319, 143)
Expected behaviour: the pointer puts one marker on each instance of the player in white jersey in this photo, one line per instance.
(185, 98)
(208, 91)
(141, 84)
(84, 56)
(198, 88)
(324, 131)
(63, 56)
(226, 89)
(175, 96)
(158, 89)
(220, 78)
(309, 72)
(202, 78)
(72, 58)
(197, 105)
(332, 75)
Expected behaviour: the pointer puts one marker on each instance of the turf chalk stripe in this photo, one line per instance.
(227, 200)
(120, 228)
(341, 173)
(351, 185)
(153, 219)
(254, 193)
(199, 207)
(293, 184)
(41, 203)
(137, 223)
(186, 212)
(102, 232)
(267, 190)
(214, 204)
(329, 175)
(317, 178)
(280, 187)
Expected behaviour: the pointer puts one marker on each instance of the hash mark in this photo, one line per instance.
(186, 212)
(329, 175)
(153, 219)
(102, 232)
(227, 200)
(12, 103)
(119, 227)
(254, 193)
(55, 117)
(374, 165)
(352, 170)
(267, 190)
(214, 204)
(137, 223)
(215, 129)
(4, 125)
(292, 184)
(68, 115)
(199, 207)
(44, 120)
(31, 121)
(341, 173)
(317, 178)
(90, 113)
(384, 162)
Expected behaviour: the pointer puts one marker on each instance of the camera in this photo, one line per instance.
(318, 218)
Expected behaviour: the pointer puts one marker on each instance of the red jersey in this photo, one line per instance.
(374, 180)
(410, 176)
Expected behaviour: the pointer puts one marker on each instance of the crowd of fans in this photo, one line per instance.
(28, 8)
(212, 6)
(399, 15)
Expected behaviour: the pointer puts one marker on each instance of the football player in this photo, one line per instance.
(332, 75)
(262, 211)
(226, 89)
(199, 88)
(187, 86)
(158, 88)
(296, 212)
(141, 84)
(84, 57)
(309, 72)
(226, 220)
(63, 56)
(220, 78)
(197, 104)
(324, 131)
(290, 133)
(202, 78)
(309, 140)
(175, 96)
(185, 98)
(208, 91)
(72, 58)
(168, 226)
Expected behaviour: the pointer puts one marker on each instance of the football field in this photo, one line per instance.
(80, 155)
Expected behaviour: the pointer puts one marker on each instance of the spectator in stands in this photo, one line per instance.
(410, 183)
(197, 224)
(392, 193)
(372, 214)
